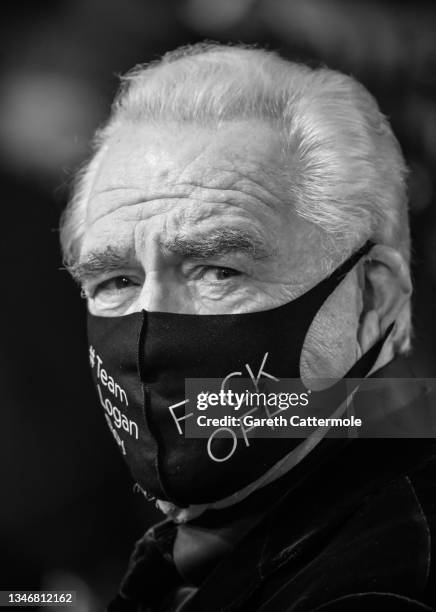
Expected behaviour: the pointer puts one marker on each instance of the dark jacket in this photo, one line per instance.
(349, 529)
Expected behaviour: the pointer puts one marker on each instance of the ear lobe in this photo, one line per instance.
(387, 285)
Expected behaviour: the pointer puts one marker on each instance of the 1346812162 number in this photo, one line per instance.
(35, 598)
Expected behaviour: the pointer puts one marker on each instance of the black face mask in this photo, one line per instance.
(140, 362)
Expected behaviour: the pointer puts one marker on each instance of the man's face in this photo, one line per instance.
(194, 220)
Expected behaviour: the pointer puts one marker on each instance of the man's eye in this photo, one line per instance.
(115, 285)
(217, 273)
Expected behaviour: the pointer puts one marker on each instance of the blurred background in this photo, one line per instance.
(68, 515)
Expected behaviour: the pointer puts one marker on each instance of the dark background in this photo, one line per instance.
(68, 516)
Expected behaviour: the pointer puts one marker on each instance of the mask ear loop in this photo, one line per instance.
(328, 286)
(384, 336)
(352, 261)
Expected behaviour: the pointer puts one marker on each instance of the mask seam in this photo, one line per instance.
(145, 400)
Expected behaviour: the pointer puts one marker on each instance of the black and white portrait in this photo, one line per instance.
(218, 341)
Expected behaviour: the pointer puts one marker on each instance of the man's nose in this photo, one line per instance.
(163, 292)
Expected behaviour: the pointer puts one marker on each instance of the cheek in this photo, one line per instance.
(330, 348)
(240, 297)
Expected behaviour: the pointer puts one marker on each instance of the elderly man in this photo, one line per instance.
(242, 212)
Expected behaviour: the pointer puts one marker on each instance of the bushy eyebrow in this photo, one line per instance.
(100, 262)
(218, 242)
(202, 246)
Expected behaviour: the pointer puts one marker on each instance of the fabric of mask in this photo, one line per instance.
(140, 362)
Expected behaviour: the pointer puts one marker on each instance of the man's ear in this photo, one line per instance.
(386, 290)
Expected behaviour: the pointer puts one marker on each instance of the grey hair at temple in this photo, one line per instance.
(346, 170)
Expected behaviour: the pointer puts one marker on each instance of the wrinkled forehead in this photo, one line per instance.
(148, 163)
(175, 183)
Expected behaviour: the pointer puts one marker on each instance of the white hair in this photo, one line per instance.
(346, 171)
